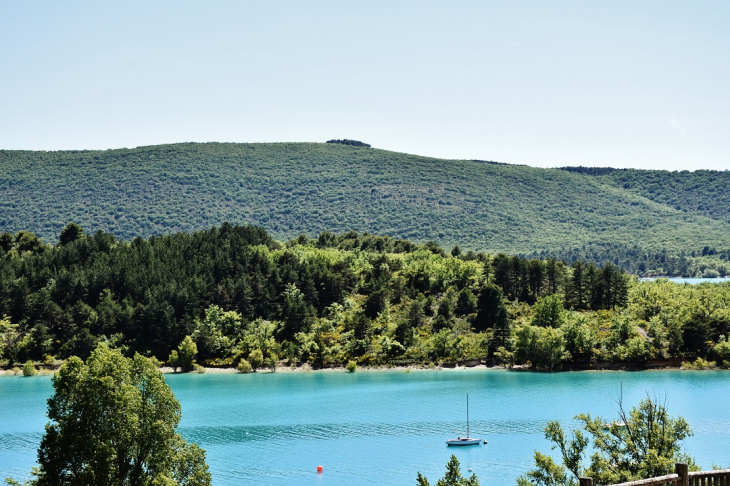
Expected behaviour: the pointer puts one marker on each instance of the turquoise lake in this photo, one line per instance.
(691, 281)
(383, 427)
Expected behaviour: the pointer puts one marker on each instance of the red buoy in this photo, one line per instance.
(320, 469)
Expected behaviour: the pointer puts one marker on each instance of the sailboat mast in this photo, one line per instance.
(467, 416)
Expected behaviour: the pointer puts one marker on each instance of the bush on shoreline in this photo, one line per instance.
(29, 369)
(244, 366)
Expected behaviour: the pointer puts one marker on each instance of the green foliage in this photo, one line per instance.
(26, 482)
(546, 473)
(347, 141)
(549, 312)
(698, 364)
(466, 302)
(29, 369)
(647, 446)
(184, 356)
(491, 311)
(722, 352)
(70, 233)
(452, 477)
(271, 362)
(637, 349)
(580, 338)
(208, 335)
(295, 312)
(294, 188)
(687, 320)
(115, 418)
(9, 337)
(351, 366)
(256, 358)
(25, 241)
(336, 298)
(543, 347)
(696, 192)
(244, 366)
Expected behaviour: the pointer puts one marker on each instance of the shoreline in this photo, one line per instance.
(339, 369)
(167, 370)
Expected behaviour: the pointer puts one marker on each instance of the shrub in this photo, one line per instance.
(347, 141)
(244, 366)
(271, 363)
(256, 358)
(722, 350)
(184, 355)
(351, 366)
(29, 369)
(636, 349)
(198, 368)
(698, 364)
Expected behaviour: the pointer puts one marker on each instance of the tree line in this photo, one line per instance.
(706, 261)
(237, 294)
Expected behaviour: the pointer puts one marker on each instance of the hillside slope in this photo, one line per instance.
(290, 188)
(704, 192)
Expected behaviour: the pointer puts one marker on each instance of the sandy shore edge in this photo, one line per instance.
(299, 369)
(372, 369)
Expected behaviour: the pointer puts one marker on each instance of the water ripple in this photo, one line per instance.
(21, 441)
(330, 431)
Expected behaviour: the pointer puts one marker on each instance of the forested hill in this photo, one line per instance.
(705, 192)
(243, 297)
(293, 188)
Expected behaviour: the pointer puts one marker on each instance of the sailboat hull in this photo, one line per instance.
(465, 441)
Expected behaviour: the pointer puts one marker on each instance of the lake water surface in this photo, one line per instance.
(383, 427)
(691, 281)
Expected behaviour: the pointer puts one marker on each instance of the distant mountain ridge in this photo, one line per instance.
(293, 188)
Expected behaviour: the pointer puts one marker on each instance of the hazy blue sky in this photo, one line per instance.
(546, 83)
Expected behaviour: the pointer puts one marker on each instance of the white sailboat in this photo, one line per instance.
(464, 441)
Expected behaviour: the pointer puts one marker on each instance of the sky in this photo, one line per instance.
(543, 83)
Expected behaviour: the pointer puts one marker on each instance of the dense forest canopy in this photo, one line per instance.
(241, 295)
(293, 188)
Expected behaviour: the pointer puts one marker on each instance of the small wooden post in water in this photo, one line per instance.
(586, 481)
(683, 471)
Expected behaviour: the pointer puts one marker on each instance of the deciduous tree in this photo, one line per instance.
(114, 421)
(184, 356)
(644, 443)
